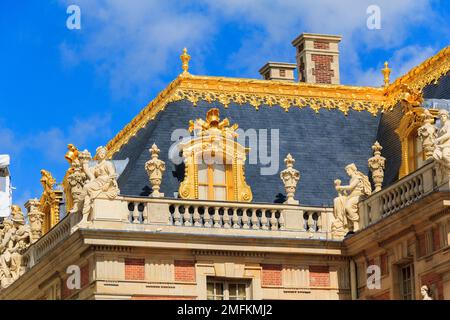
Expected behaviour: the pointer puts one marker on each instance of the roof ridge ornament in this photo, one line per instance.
(386, 71)
(185, 62)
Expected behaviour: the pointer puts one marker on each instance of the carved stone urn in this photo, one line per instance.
(155, 168)
(376, 165)
(290, 178)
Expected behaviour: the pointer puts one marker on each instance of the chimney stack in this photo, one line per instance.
(317, 58)
(281, 71)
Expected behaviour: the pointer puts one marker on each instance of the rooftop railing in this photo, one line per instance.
(402, 193)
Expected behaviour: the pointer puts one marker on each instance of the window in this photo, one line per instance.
(282, 73)
(407, 282)
(415, 152)
(212, 181)
(227, 290)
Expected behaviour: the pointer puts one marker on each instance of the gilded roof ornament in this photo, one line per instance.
(386, 71)
(213, 123)
(185, 61)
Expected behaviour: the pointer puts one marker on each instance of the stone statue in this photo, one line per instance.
(290, 178)
(155, 168)
(75, 178)
(426, 293)
(36, 218)
(346, 204)
(376, 166)
(16, 238)
(101, 181)
(442, 147)
(428, 134)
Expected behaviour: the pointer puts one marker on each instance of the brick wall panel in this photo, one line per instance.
(319, 276)
(271, 275)
(134, 269)
(184, 270)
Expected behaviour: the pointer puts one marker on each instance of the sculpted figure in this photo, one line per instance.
(428, 134)
(36, 218)
(6, 251)
(346, 204)
(15, 241)
(76, 180)
(426, 293)
(22, 240)
(101, 181)
(442, 146)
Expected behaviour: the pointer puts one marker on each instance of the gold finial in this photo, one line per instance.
(185, 61)
(386, 73)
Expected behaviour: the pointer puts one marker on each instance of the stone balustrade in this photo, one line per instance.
(216, 215)
(50, 240)
(401, 194)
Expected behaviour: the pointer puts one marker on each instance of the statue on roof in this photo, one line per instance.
(346, 204)
(15, 240)
(442, 145)
(75, 178)
(101, 181)
(428, 134)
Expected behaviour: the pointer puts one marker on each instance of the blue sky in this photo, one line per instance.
(60, 86)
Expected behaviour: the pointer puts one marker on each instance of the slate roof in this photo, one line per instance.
(322, 144)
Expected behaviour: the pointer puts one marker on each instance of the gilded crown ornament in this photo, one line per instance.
(290, 178)
(377, 165)
(155, 168)
(185, 61)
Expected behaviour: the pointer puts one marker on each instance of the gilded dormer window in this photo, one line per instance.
(214, 161)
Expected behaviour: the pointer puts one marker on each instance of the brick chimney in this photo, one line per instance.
(317, 58)
(281, 71)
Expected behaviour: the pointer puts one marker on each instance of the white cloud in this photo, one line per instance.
(135, 42)
(276, 23)
(401, 62)
(52, 143)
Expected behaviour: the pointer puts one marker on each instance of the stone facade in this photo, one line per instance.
(113, 242)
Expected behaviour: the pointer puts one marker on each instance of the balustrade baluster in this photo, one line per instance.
(254, 219)
(187, 217)
(226, 218)
(177, 216)
(281, 221)
(311, 222)
(235, 219)
(264, 220)
(197, 218)
(207, 218)
(135, 214)
(245, 219)
(216, 218)
(273, 220)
